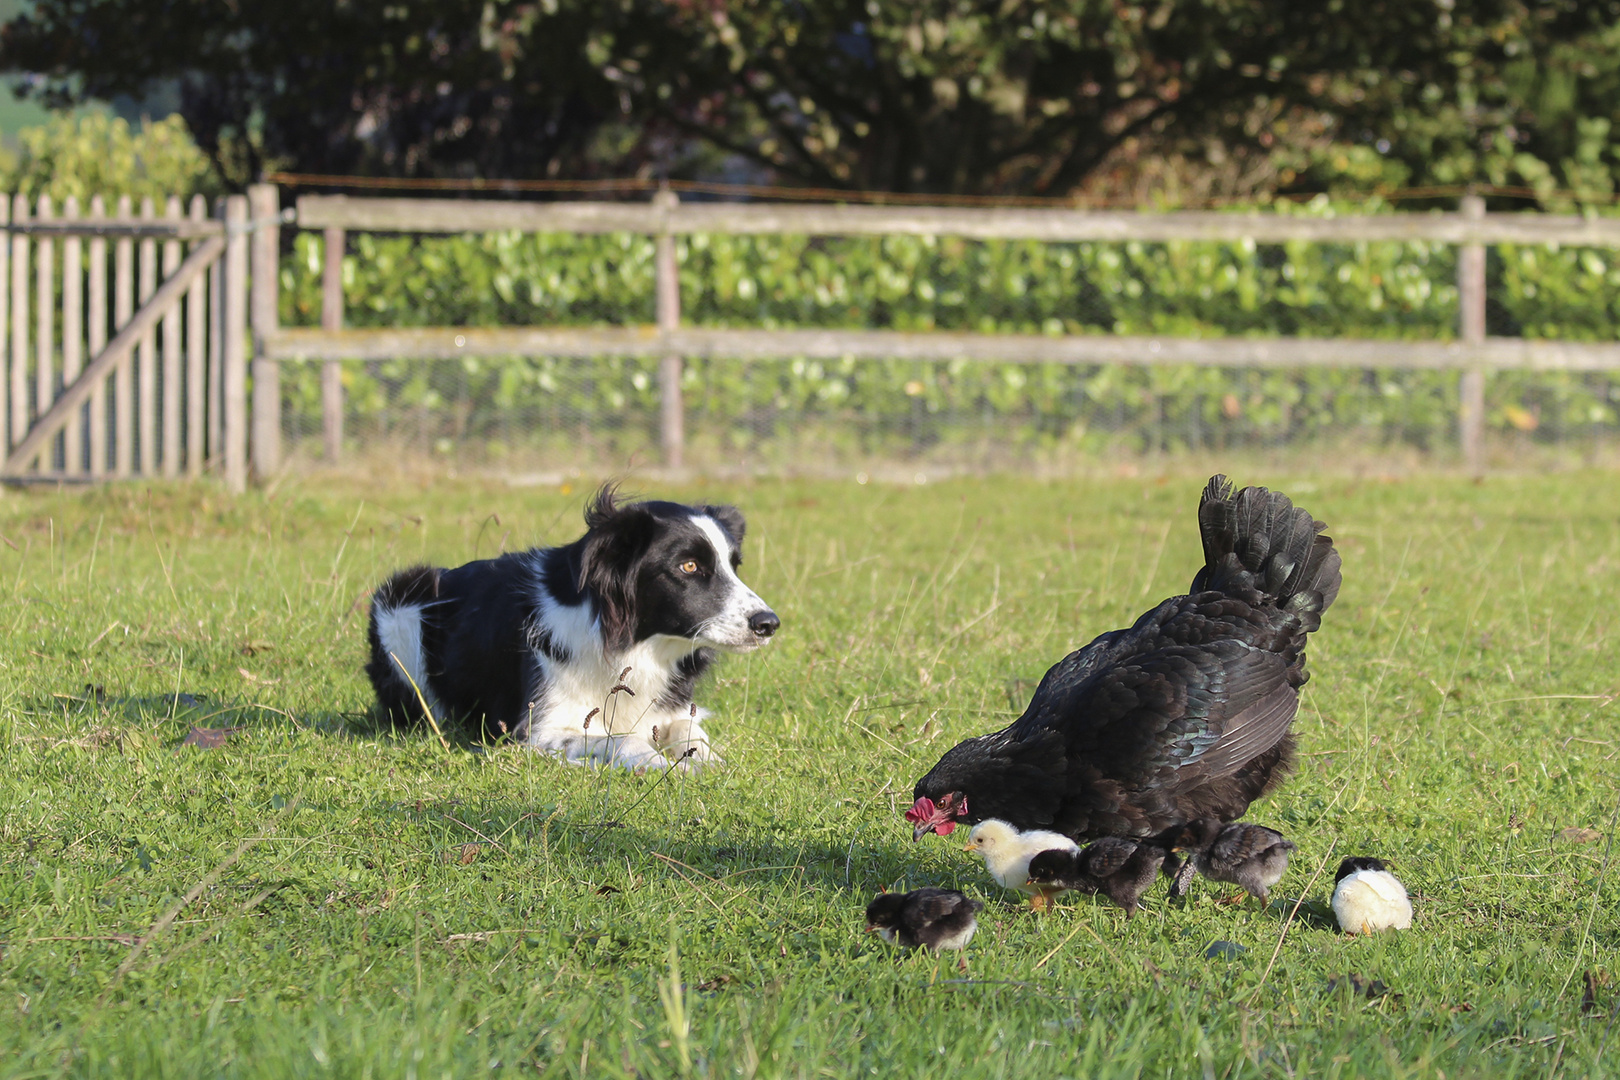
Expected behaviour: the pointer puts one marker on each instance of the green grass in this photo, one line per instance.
(1459, 721)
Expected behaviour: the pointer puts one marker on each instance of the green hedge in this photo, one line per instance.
(1370, 290)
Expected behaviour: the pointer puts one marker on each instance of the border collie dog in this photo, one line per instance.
(588, 651)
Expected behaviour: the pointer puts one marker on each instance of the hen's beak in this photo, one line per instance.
(921, 830)
(870, 929)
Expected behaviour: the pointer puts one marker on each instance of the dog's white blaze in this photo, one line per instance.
(729, 629)
(400, 631)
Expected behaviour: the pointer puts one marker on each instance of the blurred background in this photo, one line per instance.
(1277, 106)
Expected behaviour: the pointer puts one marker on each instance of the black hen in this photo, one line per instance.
(1120, 869)
(1184, 715)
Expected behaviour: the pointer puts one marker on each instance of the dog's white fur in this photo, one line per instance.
(579, 717)
(400, 629)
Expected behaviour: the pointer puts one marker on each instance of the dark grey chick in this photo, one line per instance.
(1120, 869)
(1252, 856)
(927, 918)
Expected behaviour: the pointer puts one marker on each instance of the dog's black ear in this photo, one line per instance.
(730, 519)
(619, 536)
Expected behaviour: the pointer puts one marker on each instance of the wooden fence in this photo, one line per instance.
(1472, 354)
(167, 394)
(164, 396)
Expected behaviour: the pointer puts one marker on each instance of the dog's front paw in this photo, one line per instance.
(694, 754)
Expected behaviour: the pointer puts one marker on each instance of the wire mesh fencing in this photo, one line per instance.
(804, 415)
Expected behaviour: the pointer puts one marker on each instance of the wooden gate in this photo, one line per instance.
(166, 396)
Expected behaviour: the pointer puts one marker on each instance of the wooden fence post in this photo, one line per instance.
(1471, 328)
(19, 324)
(124, 376)
(45, 328)
(147, 376)
(264, 202)
(72, 336)
(233, 351)
(216, 357)
(171, 353)
(667, 288)
(5, 323)
(196, 359)
(332, 371)
(96, 340)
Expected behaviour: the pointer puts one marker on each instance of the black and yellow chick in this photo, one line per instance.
(1120, 869)
(1252, 856)
(932, 919)
(1368, 898)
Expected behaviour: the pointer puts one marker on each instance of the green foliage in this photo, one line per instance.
(1367, 290)
(408, 911)
(1039, 96)
(98, 154)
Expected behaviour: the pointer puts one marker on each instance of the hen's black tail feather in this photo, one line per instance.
(1258, 539)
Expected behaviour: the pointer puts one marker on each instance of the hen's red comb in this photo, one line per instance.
(920, 811)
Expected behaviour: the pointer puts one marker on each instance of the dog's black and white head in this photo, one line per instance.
(662, 568)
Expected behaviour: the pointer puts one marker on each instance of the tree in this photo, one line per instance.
(930, 96)
(444, 87)
(1034, 95)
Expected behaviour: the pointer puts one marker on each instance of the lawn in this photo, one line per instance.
(318, 897)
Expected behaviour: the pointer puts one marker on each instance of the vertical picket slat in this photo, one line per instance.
(5, 338)
(667, 302)
(96, 340)
(1471, 329)
(72, 336)
(171, 353)
(216, 357)
(123, 311)
(264, 204)
(196, 358)
(147, 375)
(332, 372)
(45, 329)
(19, 324)
(233, 360)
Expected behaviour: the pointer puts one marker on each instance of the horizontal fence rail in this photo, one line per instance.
(139, 228)
(433, 343)
(1110, 226)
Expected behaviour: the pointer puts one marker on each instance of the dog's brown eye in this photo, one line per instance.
(689, 566)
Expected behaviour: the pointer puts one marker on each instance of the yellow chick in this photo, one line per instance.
(1007, 853)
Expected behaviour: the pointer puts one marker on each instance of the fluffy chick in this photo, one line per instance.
(931, 919)
(1007, 853)
(1368, 898)
(1120, 869)
(1252, 856)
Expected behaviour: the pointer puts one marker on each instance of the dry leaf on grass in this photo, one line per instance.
(208, 738)
(1576, 835)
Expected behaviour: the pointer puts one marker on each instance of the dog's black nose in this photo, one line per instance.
(764, 623)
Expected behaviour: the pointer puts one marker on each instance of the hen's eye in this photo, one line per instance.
(689, 566)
